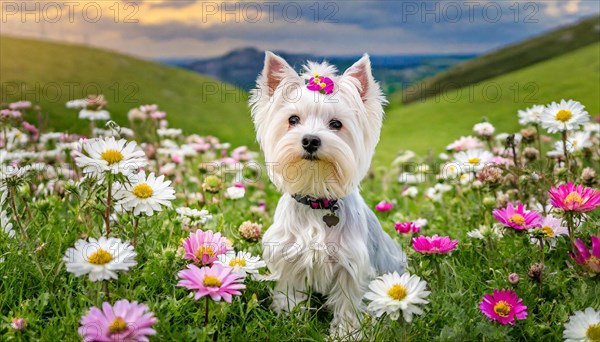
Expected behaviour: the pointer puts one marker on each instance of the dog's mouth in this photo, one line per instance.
(310, 156)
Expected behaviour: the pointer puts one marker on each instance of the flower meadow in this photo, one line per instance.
(143, 233)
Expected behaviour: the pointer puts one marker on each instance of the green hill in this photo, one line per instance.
(507, 59)
(437, 121)
(51, 73)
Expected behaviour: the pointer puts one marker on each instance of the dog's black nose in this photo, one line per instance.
(311, 143)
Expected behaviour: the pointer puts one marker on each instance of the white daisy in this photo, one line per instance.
(583, 326)
(234, 192)
(411, 178)
(564, 116)
(473, 160)
(391, 293)
(94, 115)
(580, 140)
(193, 216)
(77, 104)
(531, 115)
(169, 132)
(411, 191)
(242, 262)
(5, 225)
(436, 192)
(552, 228)
(484, 129)
(144, 194)
(100, 259)
(109, 155)
(483, 231)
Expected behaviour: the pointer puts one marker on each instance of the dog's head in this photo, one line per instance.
(317, 143)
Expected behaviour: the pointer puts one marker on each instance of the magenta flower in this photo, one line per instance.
(571, 197)
(216, 281)
(384, 206)
(518, 218)
(434, 244)
(588, 258)
(204, 247)
(407, 227)
(503, 306)
(322, 84)
(124, 321)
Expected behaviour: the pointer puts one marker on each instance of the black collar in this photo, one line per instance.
(317, 203)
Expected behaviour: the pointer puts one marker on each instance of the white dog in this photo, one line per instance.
(318, 132)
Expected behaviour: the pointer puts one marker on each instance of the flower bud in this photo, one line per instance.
(19, 324)
(514, 278)
(535, 272)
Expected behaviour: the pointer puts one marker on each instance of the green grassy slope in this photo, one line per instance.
(50, 73)
(435, 122)
(508, 59)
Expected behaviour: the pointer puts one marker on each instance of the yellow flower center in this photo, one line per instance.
(100, 257)
(211, 281)
(474, 161)
(397, 292)
(517, 218)
(322, 85)
(549, 232)
(237, 261)
(143, 190)
(573, 197)
(205, 250)
(593, 332)
(118, 325)
(564, 115)
(112, 156)
(502, 309)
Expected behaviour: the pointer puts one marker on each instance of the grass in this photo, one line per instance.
(434, 123)
(508, 59)
(51, 73)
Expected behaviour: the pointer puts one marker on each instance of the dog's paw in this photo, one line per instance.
(348, 329)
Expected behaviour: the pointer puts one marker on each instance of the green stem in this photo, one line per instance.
(108, 204)
(566, 153)
(438, 272)
(16, 214)
(136, 222)
(206, 313)
(542, 266)
(570, 227)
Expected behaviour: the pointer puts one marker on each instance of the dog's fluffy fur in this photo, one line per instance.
(300, 250)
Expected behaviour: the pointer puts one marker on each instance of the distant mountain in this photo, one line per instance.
(242, 66)
(507, 59)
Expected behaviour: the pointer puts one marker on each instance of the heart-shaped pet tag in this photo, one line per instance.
(331, 220)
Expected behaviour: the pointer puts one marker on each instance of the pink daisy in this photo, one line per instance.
(124, 321)
(407, 227)
(434, 244)
(588, 258)
(503, 306)
(518, 218)
(384, 206)
(216, 281)
(571, 197)
(204, 247)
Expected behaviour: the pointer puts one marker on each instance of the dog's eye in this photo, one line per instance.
(294, 120)
(335, 125)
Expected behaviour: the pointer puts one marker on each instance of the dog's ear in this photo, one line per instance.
(368, 89)
(275, 71)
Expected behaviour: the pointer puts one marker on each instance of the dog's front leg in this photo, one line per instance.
(288, 294)
(345, 300)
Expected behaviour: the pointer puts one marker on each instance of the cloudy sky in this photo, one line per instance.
(182, 28)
